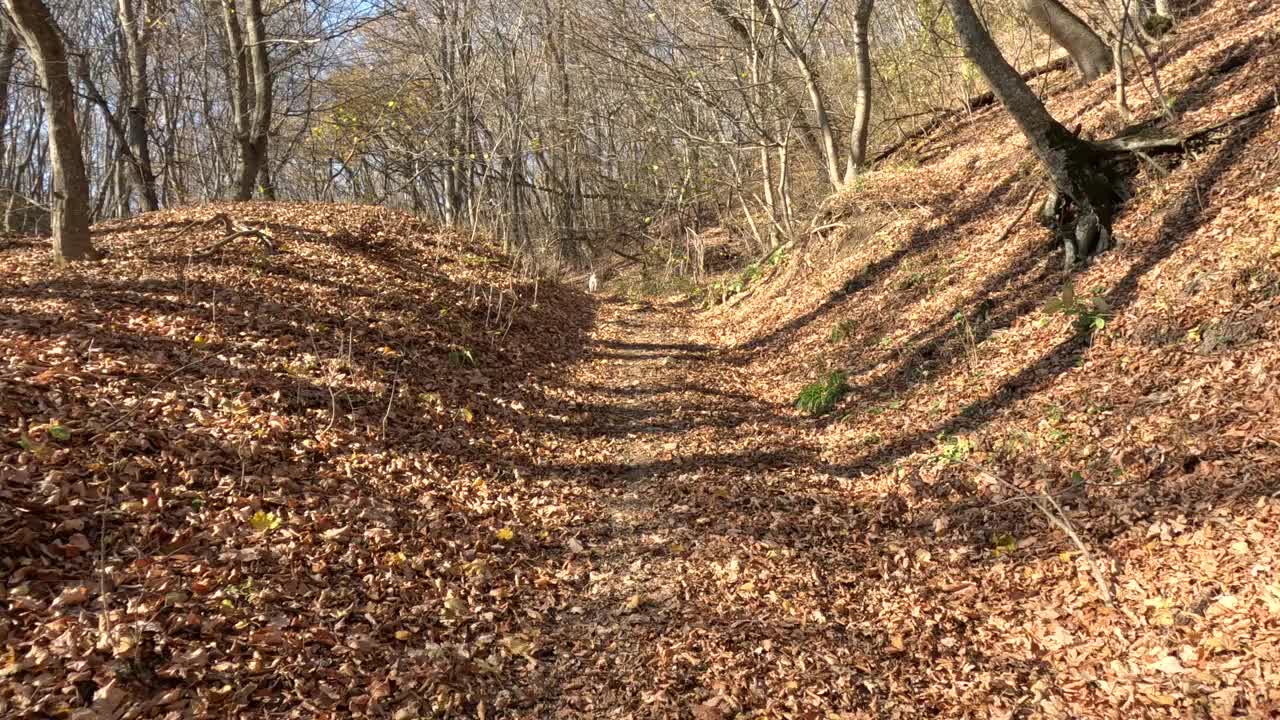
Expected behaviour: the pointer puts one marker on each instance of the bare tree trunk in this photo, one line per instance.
(770, 205)
(43, 40)
(862, 98)
(1090, 53)
(136, 35)
(266, 185)
(19, 170)
(1072, 164)
(120, 188)
(808, 138)
(817, 100)
(451, 100)
(239, 77)
(250, 73)
(784, 184)
(1117, 48)
(262, 97)
(563, 156)
(119, 132)
(8, 53)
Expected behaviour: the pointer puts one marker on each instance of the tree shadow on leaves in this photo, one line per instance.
(921, 242)
(1177, 225)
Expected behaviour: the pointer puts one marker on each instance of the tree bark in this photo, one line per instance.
(250, 93)
(43, 40)
(1090, 53)
(1122, 97)
(784, 185)
(262, 95)
(862, 98)
(817, 99)
(451, 99)
(266, 182)
(1072, 164)
(8, 54)
(239, 77)
(136, 35)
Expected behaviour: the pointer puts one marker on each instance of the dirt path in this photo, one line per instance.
(210, 510)
(713, 571)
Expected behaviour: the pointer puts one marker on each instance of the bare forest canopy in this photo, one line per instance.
(558, 126)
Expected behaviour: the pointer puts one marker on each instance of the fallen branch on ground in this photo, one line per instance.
(236, 230)
(1031, 196)
(1147, 139)
(1052, 511)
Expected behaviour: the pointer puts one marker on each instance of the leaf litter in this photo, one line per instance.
(376, 474)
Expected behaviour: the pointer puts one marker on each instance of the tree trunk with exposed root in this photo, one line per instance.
(1085, 197)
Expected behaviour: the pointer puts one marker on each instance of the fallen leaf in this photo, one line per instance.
(72, 596)
(1168, 664)
(264, 521)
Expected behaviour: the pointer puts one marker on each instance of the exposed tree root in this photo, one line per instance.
(1087, 234)
(235, 230)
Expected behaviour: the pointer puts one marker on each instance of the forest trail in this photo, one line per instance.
(376, 474)
(321, 460)
(706, 560)
(380, 473)
(373, 475)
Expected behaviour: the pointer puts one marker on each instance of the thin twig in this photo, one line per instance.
(831, 226)
(152, 389)
(386, 415)
(1026, 206)
(247, 232)
(177, 232)
(1050, 508)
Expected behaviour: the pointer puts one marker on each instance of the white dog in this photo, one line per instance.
(593, 283)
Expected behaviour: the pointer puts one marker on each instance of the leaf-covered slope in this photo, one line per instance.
(1156, 421)
(234, 480)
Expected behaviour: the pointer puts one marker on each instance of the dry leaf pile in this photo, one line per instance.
(1152, 415)
(249, 480)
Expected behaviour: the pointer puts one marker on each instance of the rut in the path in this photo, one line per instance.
(698, 488)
